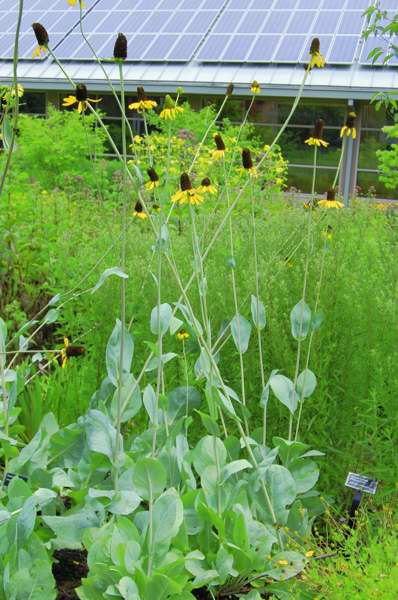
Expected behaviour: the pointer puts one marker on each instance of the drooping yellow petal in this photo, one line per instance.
(69, 100)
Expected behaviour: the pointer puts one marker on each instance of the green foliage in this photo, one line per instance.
(388, 160)
(57, 151)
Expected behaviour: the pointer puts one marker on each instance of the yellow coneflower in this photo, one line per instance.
(42, 40)
(64, 353)
(187, 194)
(81, 99)
(206, 186)
(153, 179)
(139, 212)
(142, 103)
(182, 335)
(137, 139)
(248, 163)
(316, 138)
(328, 232)
(349, 128)
(156, 208)
(330, 201)
(255, 88)
(309, 205)
(220, 151)
(120, 48)
(317, 60)
(171, 109)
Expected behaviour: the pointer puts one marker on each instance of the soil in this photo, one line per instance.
(69, 569)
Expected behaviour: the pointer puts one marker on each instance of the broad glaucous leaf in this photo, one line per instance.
(151, 404)
(160, 319)
(182, 400)
(209, 424)
(130, 398)
(149, 478)
(128, 589)
(300, 320)
(281, 489)
(204, 454)
(234, 467)
(306, 384)
(174, 325)
(101, 434)
(305, 473)
(107, 273)
(265, 393)
(241, 330)
(292, 564)
(113, 353)
(69, 529)
(168, 513)
(283, 389)
(153, 363)
(3, 338)
(258, 313)
(7, 132)
(190, 319)
(51, 316)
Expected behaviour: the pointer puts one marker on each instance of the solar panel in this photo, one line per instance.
(56, 16)
(157, 30)
(281, 31)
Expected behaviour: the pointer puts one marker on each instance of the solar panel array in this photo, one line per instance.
(55, 15)
(263, 31)
(157, 30)
(209, 31)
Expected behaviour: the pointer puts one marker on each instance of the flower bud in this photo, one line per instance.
(120, 49)
(219, 142)
(81, 92)
(185, 182)
(247, 159)
(153, 176)
(41, 34)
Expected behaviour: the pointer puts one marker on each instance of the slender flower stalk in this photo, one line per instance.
(257, 287)
(318, 295)
(122, 284)
(306, 270)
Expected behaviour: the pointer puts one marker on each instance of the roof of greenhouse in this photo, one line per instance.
(202, 45)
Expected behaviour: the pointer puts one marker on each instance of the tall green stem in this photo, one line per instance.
(307, 261)
(122, 285)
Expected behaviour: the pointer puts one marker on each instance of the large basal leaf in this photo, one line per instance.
(258, 313)
(234, 467)
(204, 454)
(69, 529)
(287, 564)
(241, 330)
(305, 473)
(128, 589)
(168, 512)
(300, 320)
(149, 478)
(160, 319)
(101, 435)
(282, 491)
(113, 349)
(283, 389)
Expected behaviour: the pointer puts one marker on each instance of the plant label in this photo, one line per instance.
(361, 483)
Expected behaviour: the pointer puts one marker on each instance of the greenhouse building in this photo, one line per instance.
(202, 46)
